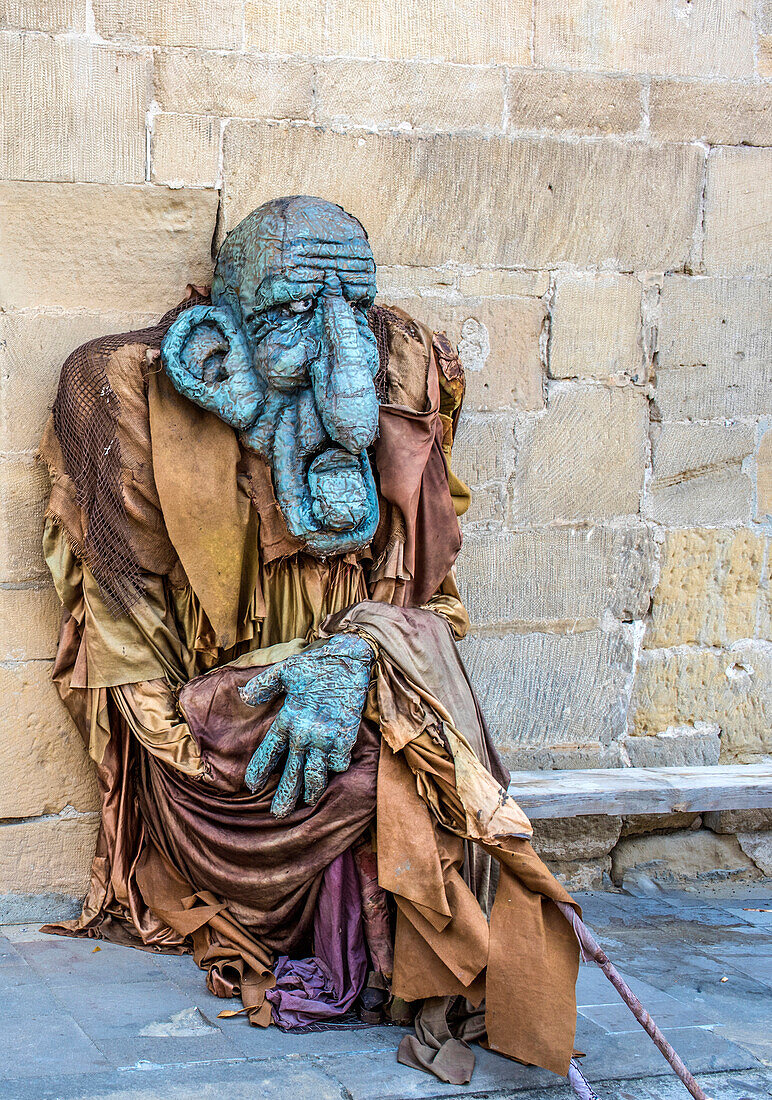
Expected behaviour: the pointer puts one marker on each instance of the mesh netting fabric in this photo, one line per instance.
(380, 320)
(86, 414)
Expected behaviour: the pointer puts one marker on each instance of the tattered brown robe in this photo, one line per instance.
(186, 857)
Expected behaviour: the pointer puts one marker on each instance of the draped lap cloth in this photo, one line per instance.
(187, 859)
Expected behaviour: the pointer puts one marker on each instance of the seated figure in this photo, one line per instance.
(252, 530)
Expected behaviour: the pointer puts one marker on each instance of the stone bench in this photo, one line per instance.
(628, 791)
(598, 826)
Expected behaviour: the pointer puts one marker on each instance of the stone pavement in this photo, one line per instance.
(81, 1019)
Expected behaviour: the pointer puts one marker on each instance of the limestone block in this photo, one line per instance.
(484, 448)
(418, 95)
(185, 149)
(576, 102)
(33, 347)
(681, 856)
(24, 488)
(719, 114)
(54, 16)
(400, 280)
(731, 688)
(738, 206)
(561, 576)
(274, 26)
(43, 763)
(141, 248)
(584, 458)
(498, 343)
(699, 476)
(539, 690)
(579, 875)
(715, 39)
(759, 847)
(504, 284)
(226, 84)
(504, 203)
(765, 56)
(218, 23)
(596, 327)
(29, 623)
(714, 588)
(714, 348)
(486, 508)
(638, 824)
(738, 821)
(47, 856)
(452, 30)
(677, 747)
(572, 838)
(71, 110)
(763, 510)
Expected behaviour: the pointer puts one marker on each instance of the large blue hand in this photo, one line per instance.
(325, 688)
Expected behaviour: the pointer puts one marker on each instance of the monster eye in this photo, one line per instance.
(298, 307)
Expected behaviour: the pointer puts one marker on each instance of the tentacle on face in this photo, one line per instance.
(260, 437)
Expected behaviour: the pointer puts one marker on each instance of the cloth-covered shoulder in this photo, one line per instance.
(406, 347)
(100, 423)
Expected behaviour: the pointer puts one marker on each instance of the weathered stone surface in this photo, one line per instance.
(715, 39)
(488, 201)
(43, 764)
(54, 16)
(452, 31)
(227, 84)
(714, 588)
(142, 245)
(498, 343)
(47, 856)
(218, 23)
(529, 686)
(29, 623)
(72, 111)
(584, 458)
(33, 347)
(638, 824)
(699, 475)
(680, 856)
(763, 503)
(572, 838)
(576, 102)
(731, 688)
(578, 875)
(24, 488)
(738, 207)
(485, 448)
(719, 114)
(677, 747)
(758, 846)
(185, 149)
(738, 821)
(399, 280)
(421, 96)
(507, 284)
(765, 55)
(596, 327)
(565, 577)
(486, 508)
(714, 348)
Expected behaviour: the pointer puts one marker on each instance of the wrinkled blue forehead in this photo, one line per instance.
(290, 249)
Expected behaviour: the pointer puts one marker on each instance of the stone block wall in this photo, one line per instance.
(577, 192)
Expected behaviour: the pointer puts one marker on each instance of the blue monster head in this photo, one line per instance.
(285, 355)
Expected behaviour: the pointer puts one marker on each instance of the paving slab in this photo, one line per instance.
(114, 1023)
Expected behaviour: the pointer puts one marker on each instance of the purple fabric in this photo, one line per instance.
(309, 991)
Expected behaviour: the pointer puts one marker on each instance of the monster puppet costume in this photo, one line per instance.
(252, 529)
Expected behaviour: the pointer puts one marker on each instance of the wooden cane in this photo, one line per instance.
(592, 950)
